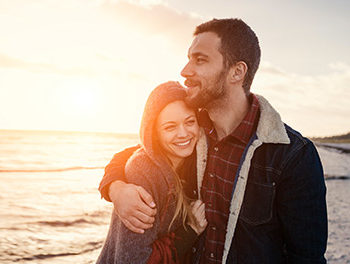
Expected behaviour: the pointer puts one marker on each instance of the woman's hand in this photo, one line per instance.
(198, 223)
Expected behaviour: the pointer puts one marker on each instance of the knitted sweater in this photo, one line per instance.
(148, 168)
(124, 246)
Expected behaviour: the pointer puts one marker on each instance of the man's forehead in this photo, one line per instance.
(205, 42)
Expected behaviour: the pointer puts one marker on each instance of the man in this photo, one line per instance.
(263, 186)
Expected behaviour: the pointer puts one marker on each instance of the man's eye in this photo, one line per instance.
(200, 60)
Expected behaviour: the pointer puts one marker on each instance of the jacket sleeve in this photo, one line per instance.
(301, 207)
(115, 170)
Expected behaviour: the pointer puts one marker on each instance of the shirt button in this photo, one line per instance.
(194, 192)
(211, 175)
(194, 250)
(216, 149)
(209, 204)
(212, 255)
(213, 228)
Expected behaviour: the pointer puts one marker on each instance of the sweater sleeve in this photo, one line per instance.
(115, 170)
(123, 245)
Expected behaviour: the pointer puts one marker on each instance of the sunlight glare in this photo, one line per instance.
(79, 96)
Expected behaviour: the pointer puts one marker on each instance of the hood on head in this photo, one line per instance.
(159, 98)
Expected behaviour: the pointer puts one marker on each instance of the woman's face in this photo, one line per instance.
(178, 131)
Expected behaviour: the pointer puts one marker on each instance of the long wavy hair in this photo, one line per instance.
(159, 98)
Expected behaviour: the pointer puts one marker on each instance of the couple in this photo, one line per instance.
(262, 187)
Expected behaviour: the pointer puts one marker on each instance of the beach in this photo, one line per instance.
(51, 210)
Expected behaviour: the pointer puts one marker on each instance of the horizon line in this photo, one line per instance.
(128, 133)
(70, 131)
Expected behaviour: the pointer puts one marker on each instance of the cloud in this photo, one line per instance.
(12, 62)
(145, 2)
(317, 105)
(109, 37)
(155, 19)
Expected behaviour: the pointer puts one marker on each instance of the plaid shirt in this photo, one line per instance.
(223, 161)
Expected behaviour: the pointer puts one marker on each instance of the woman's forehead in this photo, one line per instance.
(174, 111)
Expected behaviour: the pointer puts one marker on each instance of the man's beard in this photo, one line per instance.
(206, 96)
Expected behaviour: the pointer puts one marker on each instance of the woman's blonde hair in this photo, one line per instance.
(183, 203)
(160, 97)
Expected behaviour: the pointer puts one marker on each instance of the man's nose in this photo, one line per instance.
(187, 71)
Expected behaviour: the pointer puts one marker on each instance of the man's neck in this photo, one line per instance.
(228, 112)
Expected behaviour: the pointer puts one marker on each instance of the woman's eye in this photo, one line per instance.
(191, 122)
(169, 128)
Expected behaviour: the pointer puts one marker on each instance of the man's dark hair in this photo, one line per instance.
(238, 43)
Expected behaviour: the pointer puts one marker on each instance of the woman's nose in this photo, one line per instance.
(182, 131)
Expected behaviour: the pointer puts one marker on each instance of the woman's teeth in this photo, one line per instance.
(183, 143)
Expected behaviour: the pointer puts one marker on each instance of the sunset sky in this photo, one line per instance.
(89, 65)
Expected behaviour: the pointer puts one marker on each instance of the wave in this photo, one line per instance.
(91, 246)
(57, 223)
(98, 217)
(52, 170)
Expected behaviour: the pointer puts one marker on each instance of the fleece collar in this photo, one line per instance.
(270, 129)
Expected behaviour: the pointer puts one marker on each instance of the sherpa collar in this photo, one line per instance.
(270, 128)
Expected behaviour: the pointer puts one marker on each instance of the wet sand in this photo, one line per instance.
(338, 202)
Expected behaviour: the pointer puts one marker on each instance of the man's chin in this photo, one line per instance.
(195, 100)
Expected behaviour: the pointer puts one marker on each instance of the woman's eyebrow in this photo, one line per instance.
(167, 123)
(190, 116)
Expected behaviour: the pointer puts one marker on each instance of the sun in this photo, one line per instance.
(83, 99)
(78, 97)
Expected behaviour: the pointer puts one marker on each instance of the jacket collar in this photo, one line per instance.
(270, 129)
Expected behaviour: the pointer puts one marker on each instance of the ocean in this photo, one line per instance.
(51, 210)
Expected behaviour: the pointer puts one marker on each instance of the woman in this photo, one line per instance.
(169, 135)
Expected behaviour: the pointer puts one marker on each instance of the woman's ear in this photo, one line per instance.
(238, 71)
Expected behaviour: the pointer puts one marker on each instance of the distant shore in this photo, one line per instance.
(335, 158)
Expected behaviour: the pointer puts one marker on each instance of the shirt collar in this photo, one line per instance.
(245, 129)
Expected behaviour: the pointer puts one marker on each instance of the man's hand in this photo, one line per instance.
(134, 206)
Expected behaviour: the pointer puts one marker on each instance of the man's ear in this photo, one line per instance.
(238, 71)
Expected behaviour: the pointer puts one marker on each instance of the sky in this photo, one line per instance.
(89, 65)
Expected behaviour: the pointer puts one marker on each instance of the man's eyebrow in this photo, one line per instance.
(197, 54)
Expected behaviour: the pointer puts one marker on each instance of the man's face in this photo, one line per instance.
(205, 72)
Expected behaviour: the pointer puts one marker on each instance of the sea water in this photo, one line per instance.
(51, 210)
